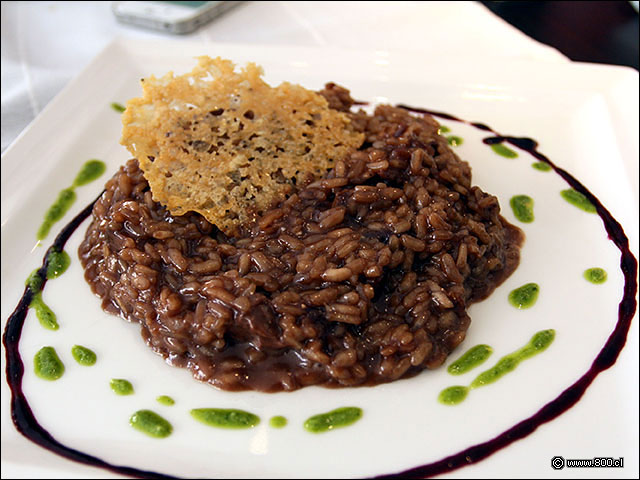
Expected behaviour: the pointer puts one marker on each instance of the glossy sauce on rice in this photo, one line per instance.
(359, 278)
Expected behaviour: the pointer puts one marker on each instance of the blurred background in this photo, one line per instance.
(600, 32)
(46, 44)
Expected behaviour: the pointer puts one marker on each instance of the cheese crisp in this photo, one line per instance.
(226, 144)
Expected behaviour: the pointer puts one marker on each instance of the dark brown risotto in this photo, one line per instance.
(359, 278)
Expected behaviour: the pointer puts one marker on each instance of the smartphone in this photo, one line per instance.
(171, 17)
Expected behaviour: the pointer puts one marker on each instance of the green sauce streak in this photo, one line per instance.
(340, 417)
(151, 423)
(595, 275)
(443, 129)
(522, 206)
(90, 171)
(542, 166)
(454, 140)
(47, 364)
(121, 386)
(278, 421)
(471, 359)
(44, 314)
(34, 282)
(453, 395)
(57, 263)
(538, 343)
(504, 151)
(83, 355)
(577, 199)
(56, 211)
(225, 417)
(118, 107)
(525, 296)
(165, 400)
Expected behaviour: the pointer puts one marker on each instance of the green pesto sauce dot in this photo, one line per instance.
(278, 421)
(150, 423)
(453, 395)
(577, 199)
(470, 359)
(83, 355)
(165, 400)
(522, 206)
(47, 365)
(443, 129)
(121, 386)
(525, 296)
(542, 166)
(57, 263)
(118, 107)
(595, 275)
(44, 314)
(89, 172)
(56, 211)
(454, 140)
(503, 150)
(225, 417)
(340, 417)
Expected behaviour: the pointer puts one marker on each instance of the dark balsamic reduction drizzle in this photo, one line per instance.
(27, 424)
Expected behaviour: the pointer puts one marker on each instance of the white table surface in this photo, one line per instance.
(46, 44)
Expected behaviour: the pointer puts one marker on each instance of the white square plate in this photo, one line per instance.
(585, 118)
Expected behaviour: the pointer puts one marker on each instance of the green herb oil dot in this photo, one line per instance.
(453, 395)
(57, 263)
(340, 417)
(56, 211)
(595, 275)
(44, 314)
(454, 140)
(89, 172)
(542, 166)
(522, 206)
(165, 400)
(150, 423)
(278, 421)
(470, 359)
(525, 296)
(83, 355)
(47, 365)
(121, 386)
(225, 417)
(118, 107)
(503, 150)
(577, 199)
(443, 129)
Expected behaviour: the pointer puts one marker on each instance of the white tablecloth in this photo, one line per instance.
(46, 44)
